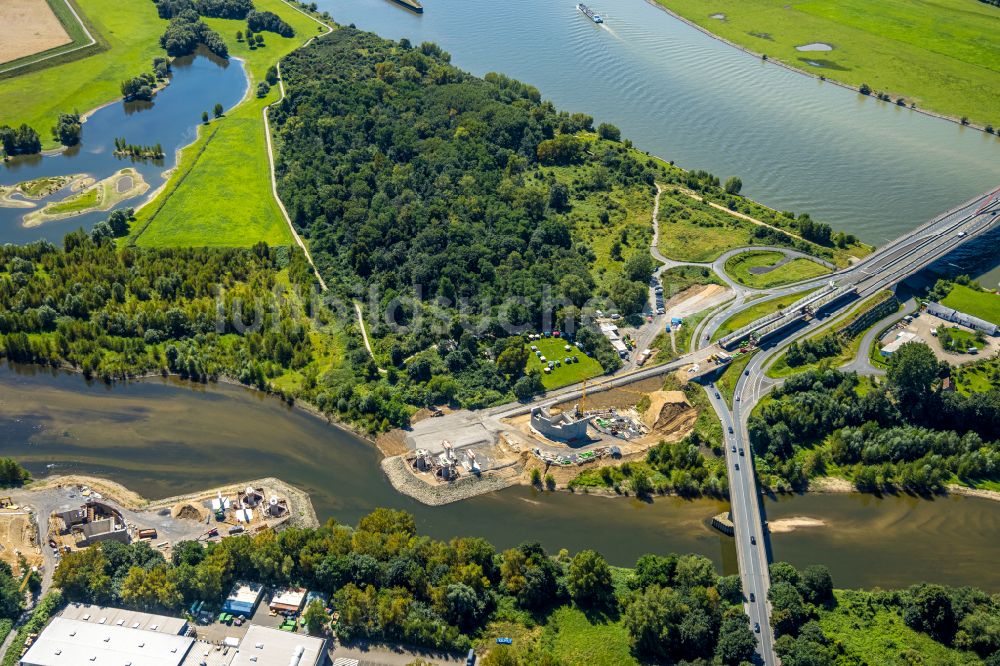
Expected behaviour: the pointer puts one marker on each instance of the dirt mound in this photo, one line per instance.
(669, 412)
(187, 512)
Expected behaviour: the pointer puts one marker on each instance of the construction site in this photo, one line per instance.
(465, 454)
(18, 538)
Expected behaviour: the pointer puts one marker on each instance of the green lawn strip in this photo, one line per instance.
(756, 311)
(685, 335)
(82, 201)
(981, 304)
(38, 97)
(796, 270)
(942, 54)
(780, 368)
(730, 376)
(870, 633)
(220, 193)
(573, 638)
(553, 349)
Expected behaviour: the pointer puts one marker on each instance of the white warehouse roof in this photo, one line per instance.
(264, 646)
(69, 642)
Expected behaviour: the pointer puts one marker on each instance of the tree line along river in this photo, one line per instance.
(162, 437)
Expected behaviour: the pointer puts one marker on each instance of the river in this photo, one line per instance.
(162, 437)
(798, 144)
(171, 119)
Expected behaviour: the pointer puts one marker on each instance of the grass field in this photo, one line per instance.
(756, 311)
(220, 193)
(942, 54)
(38, 97)
(982, 304)
(573, 638)
(738, 268)
(978, 377)
(553, 349)
(869, 633)
(694, 231)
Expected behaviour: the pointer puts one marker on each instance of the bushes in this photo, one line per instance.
(68, 129)
(45, 609)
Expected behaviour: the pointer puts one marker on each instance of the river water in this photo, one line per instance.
(799, 144)
(163, 437)
(170, 119)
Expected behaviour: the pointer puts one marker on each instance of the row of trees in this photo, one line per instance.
(905, 433)
(391, 584)
(268, 21)
(229, 9)
(137, 151)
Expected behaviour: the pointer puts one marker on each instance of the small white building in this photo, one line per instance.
(901, 339)
(288, 600)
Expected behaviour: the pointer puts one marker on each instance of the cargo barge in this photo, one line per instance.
(591, 14)
(412, 5)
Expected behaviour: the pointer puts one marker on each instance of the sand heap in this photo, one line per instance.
(669, 412)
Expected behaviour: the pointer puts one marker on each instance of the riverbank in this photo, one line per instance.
(833, 484)
(960, 119)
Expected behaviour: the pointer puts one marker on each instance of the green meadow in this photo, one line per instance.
(553, 349)
(220, 193)
(982, 304)
(942, 54)
(756, 311)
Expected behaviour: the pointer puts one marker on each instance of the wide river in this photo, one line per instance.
(164, 437)
(799, 144)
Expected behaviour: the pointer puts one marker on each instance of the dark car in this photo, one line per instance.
(730, 430)
(753, 540)
(734, 448)
(752, 598)
(471, 659)
(717, 396)
(746, 372)
(737, 467)
(756, 627)
(741, 450)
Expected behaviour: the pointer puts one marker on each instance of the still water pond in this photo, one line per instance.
(170, 119)
(799, 144)
(164, 437)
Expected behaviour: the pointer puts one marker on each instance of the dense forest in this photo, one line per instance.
(907, 432)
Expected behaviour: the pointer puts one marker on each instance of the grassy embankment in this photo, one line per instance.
(756, 311)
(553, 349)
(694, 230)
(38, 97)
(730, 376)
(798, 269)
(982, 304)
(220, 193)
(941, 54)
(74, 50)
(848, 351)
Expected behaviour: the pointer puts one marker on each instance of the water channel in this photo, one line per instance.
(170, 119)
(163, 437)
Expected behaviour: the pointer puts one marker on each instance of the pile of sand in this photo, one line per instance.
(669, 412)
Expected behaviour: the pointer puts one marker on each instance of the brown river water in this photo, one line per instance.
(161, 437)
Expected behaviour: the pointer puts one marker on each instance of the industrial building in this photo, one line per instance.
(901, 339)
(565, 427)
(264, 646)
(243, 599)
(288, 600)
(956, 317)
(67, 641)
